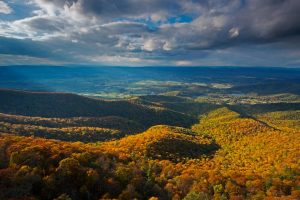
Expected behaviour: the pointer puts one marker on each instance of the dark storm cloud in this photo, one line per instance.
(117, 8)
(270, 19)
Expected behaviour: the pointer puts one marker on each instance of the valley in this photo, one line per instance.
(164, 146)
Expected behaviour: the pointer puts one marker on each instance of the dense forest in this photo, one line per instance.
(43, 104)
(180, 149)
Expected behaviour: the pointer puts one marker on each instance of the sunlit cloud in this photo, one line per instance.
(4, 8)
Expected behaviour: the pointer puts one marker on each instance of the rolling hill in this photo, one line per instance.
(164, 143)
(65, 105)
(67, 146)
(227, 126)
(226, 155)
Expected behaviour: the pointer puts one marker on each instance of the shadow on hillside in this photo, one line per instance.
(177, 150)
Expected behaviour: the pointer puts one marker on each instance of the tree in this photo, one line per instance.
(197, 196)
(70, 176)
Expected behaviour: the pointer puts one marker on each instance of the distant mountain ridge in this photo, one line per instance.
(66, 105)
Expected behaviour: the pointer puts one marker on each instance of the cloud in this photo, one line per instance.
(7, 59)
(183, 63)
(151, 32)
(152, 44)
(4, 8)
(234, 32)
(112, 8)
(271, 20)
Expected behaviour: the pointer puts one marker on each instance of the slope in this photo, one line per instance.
(227, 126)
(164, 143)
(43, 104)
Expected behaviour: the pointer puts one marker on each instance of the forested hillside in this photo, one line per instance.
(63, 105)
(226, 155)
(150, 100)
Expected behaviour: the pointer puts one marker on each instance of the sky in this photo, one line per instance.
(150, 32)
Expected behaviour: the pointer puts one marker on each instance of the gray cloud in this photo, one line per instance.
(272, 19)
(114, 8)
(150, 32)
